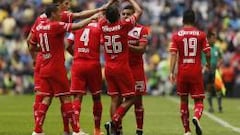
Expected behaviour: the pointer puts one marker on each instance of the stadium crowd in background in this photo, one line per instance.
(163, 17)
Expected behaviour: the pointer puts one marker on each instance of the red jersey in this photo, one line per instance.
(86, 42)
(50, 36)
(116, 40)
(137, 35)
(65, 17)
(189, 42)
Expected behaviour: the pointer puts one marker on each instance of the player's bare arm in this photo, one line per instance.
(69, 47)
(33, 50)
(208, 58)
(32, 47)
(84, 22)
(138, 10)
(140, 48)
(88, 13)
(173, 59)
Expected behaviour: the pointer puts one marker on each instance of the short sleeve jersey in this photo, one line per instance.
(65, 17)
(86, 42)
(135, 36)
(189, 42)
(115, 40)
(50, 36)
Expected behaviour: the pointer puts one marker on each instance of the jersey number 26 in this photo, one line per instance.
(111, 41)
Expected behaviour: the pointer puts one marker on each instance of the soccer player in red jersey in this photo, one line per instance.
(49, 35)
(118, 74)
(187, 44)
(86, 70)
(137, 40)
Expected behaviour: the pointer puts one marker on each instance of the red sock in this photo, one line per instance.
(68, 111)
(40, 117)
(118, 115)
(185, 116)
(77, 110)
(97, 113)
(139, 113)
(38, 100)
(198, 109)
(65, 121)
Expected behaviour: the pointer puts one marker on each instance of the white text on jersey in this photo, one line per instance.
(110, 29)
(183, 32)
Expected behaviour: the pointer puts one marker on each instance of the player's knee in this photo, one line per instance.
(47, 100)
(65, 99)
(96, 98)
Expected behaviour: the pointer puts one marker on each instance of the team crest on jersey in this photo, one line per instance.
(135, 32)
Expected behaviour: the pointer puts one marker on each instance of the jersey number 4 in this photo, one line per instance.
(85, 36)
(190, 46)
(111, 41)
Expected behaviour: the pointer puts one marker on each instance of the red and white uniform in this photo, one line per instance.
(50, 36)
(117, 71)
(65, 17)
(189, 42)
(86, 67)
(136, 36)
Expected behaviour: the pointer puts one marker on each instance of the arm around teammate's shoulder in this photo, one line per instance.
(84, 22)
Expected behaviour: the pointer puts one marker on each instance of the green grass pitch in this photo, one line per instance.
(161, 117)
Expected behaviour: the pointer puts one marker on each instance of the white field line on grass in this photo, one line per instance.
(212, 117)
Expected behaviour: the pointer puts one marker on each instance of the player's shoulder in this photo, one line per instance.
(93, 25)
(176, 33)
(66, 12)
(201, 32)
(57, 23)
(102, 20)
(144, 28)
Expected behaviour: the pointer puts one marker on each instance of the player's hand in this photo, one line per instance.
(207, 67)
(105, 6)
(172, 78)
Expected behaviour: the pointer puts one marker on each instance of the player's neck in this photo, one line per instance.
(187, 25)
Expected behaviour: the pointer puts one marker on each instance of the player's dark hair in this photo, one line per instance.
(189, 17)
(112, 14)
(58, 1)
(50, 9)
(210, 34)
(130, 7)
